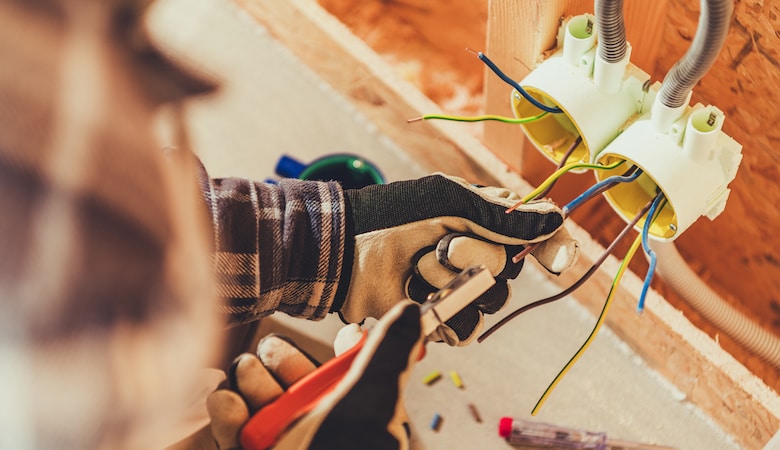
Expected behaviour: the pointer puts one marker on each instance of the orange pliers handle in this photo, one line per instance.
(267, 424)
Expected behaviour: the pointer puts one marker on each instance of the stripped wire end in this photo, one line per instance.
(506, 79)
(524, 252)
(416, 119)
(542, 188)
(514, 207)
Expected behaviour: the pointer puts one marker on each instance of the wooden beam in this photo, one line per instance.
(518, 32)
(709, 377)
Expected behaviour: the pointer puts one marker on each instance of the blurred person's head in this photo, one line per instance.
(106, 307)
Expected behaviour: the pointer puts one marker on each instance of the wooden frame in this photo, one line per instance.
(709, 377)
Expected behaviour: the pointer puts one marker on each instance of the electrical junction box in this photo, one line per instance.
(682, 152)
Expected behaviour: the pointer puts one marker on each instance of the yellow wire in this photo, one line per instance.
(484, 117)
(629, 255)
(557, 174)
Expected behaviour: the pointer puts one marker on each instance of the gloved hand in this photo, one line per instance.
(408, 239)
(361, 412)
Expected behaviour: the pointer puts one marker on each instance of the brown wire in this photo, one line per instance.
(562, 163)
(576, 284)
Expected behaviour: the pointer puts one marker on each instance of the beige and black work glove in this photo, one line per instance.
(408, 239)
(363, 411)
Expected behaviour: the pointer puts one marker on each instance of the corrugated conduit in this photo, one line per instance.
(711, 32)
(611, 30)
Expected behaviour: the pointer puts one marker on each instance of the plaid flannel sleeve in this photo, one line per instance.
(277, 247)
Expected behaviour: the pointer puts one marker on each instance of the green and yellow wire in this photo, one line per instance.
(519, 120)
(559, 173)
(612, 291)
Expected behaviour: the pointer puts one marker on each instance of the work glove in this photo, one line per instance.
(408, 239)
(363, 411)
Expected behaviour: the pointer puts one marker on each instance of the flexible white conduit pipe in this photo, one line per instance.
(685, 282)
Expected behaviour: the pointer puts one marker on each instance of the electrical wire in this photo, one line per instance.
(631, 174)
(651, 216)
(612, 291)
(563, 162)
(593, 268)
(545, 187)
(524, 252)
(514, 83)
(479, 118)
(557, 174)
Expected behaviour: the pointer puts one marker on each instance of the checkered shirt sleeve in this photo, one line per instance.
(276, 247)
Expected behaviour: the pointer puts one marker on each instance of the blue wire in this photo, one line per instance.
(598, 187)
(514, 84)
(650, 253)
